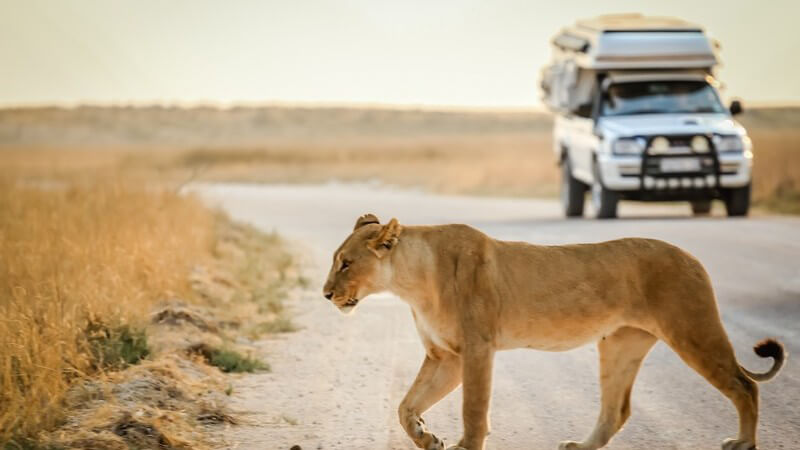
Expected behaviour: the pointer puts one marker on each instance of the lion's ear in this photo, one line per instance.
(366, 219)
(386, 239)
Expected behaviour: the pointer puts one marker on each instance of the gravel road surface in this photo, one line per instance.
(336, 384)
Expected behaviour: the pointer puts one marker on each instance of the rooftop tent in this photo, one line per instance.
(620, 42)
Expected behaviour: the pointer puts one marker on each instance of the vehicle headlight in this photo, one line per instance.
(628, 146)
(728, 143)
(659, 144)
(700, 144)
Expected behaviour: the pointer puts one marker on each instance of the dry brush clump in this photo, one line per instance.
(80, 268)
(162, 404)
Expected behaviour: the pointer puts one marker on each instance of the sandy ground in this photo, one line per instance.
(336, 383)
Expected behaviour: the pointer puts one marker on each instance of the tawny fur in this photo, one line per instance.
(472, 295)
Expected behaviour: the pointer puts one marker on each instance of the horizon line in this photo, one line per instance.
(210, 104)
(226, 105)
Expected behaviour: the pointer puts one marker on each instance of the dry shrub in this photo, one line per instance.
(157, 404)
(103, 251)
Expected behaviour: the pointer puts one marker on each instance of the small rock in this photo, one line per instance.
(296, 447)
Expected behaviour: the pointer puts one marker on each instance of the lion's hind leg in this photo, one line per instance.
(621, 354)
(708, 351)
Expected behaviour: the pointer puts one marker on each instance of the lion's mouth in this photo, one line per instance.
(351, 302)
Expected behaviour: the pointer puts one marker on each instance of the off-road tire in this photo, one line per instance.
(604, 200)
(737, 201)
(573, 192)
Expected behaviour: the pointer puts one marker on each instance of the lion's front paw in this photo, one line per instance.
(429, 441)
(736, 444)
(424, 438)
(455, 447)
(572, 445)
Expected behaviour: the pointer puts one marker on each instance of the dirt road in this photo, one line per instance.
(336, 383)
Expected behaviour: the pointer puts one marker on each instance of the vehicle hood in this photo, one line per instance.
(655, 124)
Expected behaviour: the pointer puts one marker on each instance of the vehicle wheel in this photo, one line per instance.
(737, 201)
(701, 208)
(604, 201)
(573, 192)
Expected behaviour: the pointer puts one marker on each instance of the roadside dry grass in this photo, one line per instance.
(103, 254)
(104, 289)
(776, 170)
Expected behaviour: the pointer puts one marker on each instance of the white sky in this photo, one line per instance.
(411, 52)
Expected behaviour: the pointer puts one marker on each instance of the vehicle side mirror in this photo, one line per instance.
(736, 107)
(584, 110)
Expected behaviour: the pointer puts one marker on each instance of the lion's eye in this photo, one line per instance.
(344, 267)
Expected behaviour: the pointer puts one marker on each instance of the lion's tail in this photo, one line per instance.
(768, 348)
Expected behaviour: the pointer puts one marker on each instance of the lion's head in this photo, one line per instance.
(360, 266)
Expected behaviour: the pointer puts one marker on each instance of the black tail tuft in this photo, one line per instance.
(769, 348)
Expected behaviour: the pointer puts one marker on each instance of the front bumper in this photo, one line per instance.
(640, 177)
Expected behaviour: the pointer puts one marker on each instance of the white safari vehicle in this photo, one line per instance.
(638, 117)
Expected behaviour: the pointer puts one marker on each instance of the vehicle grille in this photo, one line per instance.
(704, 177)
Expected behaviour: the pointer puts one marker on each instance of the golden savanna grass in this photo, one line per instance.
(472, 152)
(76, 255)
(776, 170)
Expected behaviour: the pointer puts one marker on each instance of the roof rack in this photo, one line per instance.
(591, 48)
(634, 41)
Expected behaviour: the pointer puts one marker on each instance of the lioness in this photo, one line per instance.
(471, 295)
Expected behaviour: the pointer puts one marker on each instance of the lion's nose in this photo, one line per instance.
(329, 295)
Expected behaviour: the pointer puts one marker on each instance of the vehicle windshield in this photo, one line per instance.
(660, 97)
